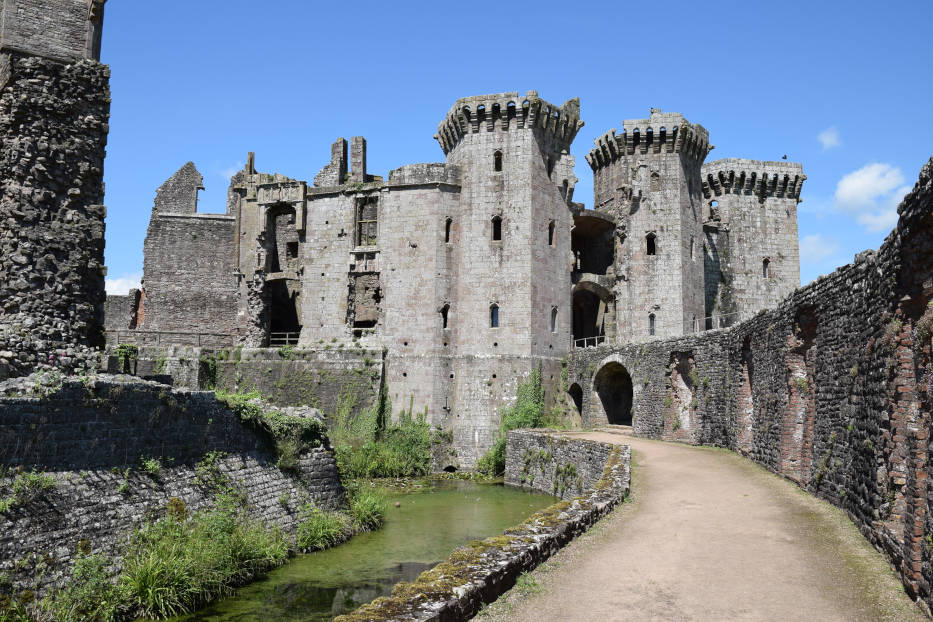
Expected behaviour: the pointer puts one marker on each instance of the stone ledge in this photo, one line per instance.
(483, 570)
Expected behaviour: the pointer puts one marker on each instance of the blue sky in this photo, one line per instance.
(842, 87)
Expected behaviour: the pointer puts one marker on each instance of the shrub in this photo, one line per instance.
(27, 486)
(90, 596)
(152, 466)
(368, 509)
(173, 566)
(320, 530)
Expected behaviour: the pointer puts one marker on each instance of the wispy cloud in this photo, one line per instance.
(872, 194)
(229, 172)
(829, 138)
(814, 249)
(121, 285)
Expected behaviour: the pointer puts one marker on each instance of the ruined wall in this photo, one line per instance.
(830, 389)
(188, 274)
(53, 130)
(553, 464)
(92, 434)
(120, 313)
(65, 30)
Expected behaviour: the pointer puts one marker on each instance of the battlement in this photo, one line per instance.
(662, 132)
(752, 177)
(505, 112)
(62, 30)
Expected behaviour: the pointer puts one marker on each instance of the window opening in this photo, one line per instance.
(291, 250)
(766, 268)
(651, 246)
(497, 161)
(651, 324)
(445, 313)
(447, 225)
(494, 316)
(550, 234)
(554, 320)
(497, 228)
(366, 221)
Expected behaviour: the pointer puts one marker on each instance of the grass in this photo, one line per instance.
(26, 486)
(368, 509)
(320, 530)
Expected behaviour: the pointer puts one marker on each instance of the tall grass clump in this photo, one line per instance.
(368, 509)
(368, 445)
(90, 596)
(173, 566)
(526, 412)
(319, 530)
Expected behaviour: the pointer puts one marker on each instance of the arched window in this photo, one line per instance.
(651, 324)
(550, 234)
(448, 224)
(553, 319)
(497, 161)
(480, 113)
(496, 228)
(493, 315)
(445, 314)
(636, 137)
(510, 110)
(766, 269)
(663, 134)
(651, 244)
(649, 136)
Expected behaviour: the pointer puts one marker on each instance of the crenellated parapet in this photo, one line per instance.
(504, 112)
(662, 132)
(752, 177)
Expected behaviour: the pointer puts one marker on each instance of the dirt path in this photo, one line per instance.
(710, 536)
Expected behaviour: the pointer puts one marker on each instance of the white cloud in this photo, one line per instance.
(872, 194)
(815, 248)
(227, 173)
(829, 138)
(123, 284)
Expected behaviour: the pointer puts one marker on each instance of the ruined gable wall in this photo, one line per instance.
(830, 389)
(66, 30)
(188, 274)
(53, 125)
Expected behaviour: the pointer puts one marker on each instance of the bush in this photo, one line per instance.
(526, 412)
(368, 509)
(27, 486)
(90, 597)
(320, 530)
(173, 566)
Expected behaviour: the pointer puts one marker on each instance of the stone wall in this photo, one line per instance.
(831, 389)
(553, 464)
(478, 573)
(53, 130)
(92, 435)
(66, 30)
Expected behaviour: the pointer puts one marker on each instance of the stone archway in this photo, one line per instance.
(613, 385)
(576, 394)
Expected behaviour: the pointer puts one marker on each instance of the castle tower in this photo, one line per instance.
(51, 232)
(752, 249)
(512, 263)
(647, 180)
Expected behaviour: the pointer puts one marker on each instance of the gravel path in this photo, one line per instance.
(710, 535)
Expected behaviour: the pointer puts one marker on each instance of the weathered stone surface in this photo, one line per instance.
(831, 389)
(53, 130)
(92, 435)
(553, 464)
(65, 30)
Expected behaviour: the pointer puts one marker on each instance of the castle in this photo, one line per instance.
(471, 272)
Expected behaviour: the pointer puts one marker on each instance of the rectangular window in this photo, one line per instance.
(291, 250)
(367, 217)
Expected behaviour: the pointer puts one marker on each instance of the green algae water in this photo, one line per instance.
(429, 523)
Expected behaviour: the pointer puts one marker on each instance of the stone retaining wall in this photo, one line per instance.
(483, 570)
(92, 435)
(553, 464)
(832, 389)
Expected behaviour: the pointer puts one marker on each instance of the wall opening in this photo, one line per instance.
(651, 324)
(497, 161)
(680, 411)
(445, 315)
(280, 236)
(283, 307)
(799, 414)
(613, 385)
(496, 228)
(589, 312)
(745, 405)
(448, 224)
(493, 316)
(766, 269)
(655, 182)
(592, 241)
(651, 244)
(554, 320)
(576, 394)
(367, 217)
(550, 233)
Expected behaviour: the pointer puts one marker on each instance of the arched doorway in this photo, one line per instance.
(613, 384)
(576, 394)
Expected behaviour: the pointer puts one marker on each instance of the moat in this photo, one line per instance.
(429, 523)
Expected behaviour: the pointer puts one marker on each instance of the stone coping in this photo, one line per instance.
(483, 570)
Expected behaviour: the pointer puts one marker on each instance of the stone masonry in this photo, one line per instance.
(471, 272)
(832, 389)
(54, 110)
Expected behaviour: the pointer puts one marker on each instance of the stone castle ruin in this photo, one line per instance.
(473, 271)
(671, 306)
